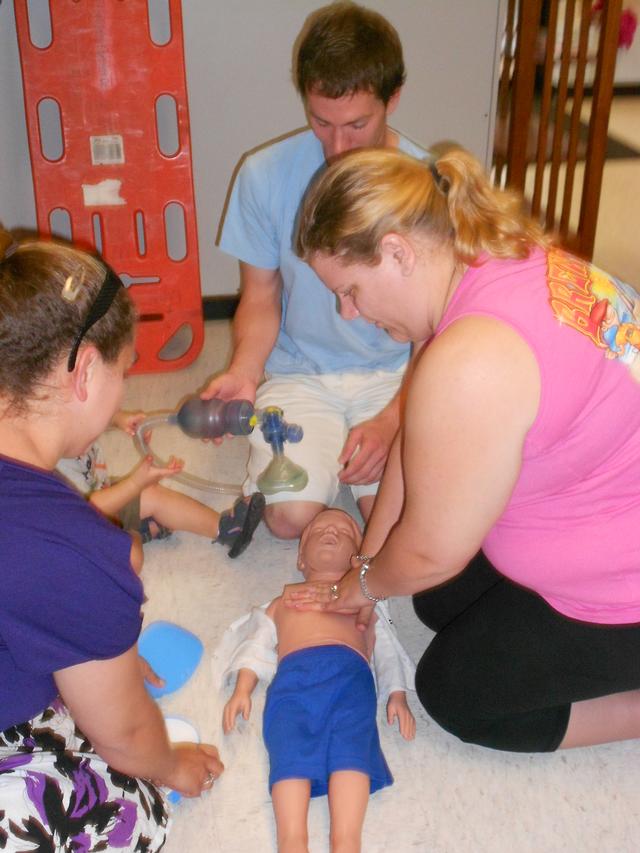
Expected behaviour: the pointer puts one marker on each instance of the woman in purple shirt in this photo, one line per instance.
(83, 747)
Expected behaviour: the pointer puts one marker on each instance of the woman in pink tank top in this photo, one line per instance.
(509, 507)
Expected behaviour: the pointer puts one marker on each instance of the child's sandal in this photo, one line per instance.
(238, 524)
(148, 535)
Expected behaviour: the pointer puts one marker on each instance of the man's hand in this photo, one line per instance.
(230, 386)
(365, 452)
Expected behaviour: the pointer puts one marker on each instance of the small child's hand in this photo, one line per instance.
(240, 703)
(397, 709)
(128, 421)
(147, 473)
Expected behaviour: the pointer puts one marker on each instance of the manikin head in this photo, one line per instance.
(327, 544)
(348, 69)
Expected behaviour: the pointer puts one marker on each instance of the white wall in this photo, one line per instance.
(238, 57)
(17, 206)
(628, 64)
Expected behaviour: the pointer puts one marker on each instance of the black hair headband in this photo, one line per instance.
(99, 307)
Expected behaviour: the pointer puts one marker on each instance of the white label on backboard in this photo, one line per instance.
(106, 150)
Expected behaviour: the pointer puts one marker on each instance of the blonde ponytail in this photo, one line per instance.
(483, 218)
(372, 192)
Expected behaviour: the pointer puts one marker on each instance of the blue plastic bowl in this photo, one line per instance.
(172, 652)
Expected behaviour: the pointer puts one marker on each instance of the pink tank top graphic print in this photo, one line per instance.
(602, 307)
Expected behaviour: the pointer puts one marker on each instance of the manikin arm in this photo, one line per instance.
(248, 643)
(240, 701)
(398, 709)
(394, 672)
(248, 648)
(393, 668)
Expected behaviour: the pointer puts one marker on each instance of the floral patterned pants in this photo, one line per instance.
(57, 794)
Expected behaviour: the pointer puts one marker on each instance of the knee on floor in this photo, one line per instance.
(287, 520)
(450, 699)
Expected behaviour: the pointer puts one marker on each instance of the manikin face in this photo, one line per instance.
(327, 544)
(358, 120)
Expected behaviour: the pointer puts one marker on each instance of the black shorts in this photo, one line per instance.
(504, 667)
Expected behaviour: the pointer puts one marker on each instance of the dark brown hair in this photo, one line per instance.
(344, 48)
(38, 326)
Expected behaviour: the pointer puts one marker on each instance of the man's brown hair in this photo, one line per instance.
(344, 48)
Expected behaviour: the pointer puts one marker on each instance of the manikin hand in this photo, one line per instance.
(398, 709)
(240, 703)
(365, 451)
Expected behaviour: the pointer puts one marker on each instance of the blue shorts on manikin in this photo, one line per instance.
(320, 717)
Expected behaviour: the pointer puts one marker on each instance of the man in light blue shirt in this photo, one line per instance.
(338, 380)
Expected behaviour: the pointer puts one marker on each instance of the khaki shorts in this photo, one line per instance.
(129, 515)
(326, 407)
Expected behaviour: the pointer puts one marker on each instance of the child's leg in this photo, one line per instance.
(233, 527)
(178, 511)
(290, 799)
(348, 799)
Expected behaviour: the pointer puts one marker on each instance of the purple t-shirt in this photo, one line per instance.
(69, 594)
(571, 528)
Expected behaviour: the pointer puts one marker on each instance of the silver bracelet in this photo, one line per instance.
(365, 563)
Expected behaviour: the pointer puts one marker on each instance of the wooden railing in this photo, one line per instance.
(549, 48)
